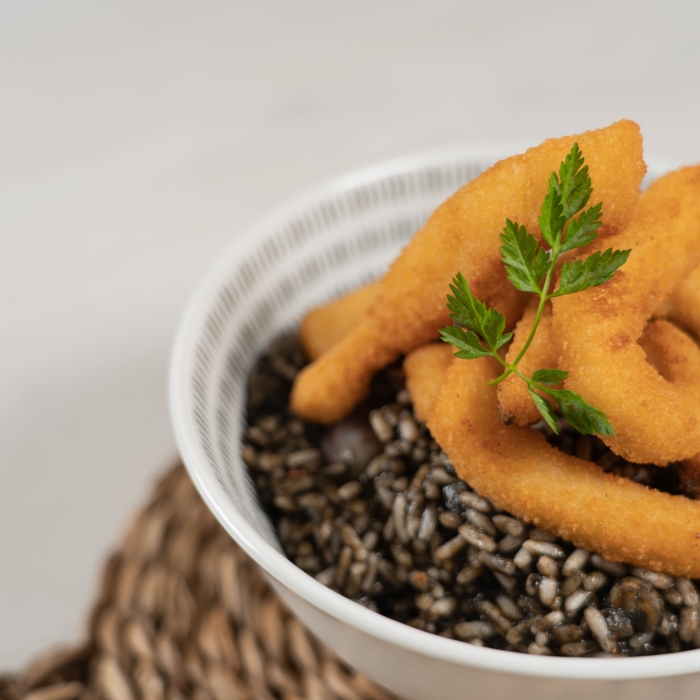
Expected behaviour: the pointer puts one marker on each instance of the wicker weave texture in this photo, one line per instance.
(184, 613)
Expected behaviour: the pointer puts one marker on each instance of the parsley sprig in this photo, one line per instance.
(480, 331)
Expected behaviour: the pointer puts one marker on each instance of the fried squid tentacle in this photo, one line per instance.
(463, 234)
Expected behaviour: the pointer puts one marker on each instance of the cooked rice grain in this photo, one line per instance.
(375, 511)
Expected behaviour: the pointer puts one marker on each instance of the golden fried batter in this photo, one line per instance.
(656, 421)
(463, 235)
(515, 403)
(672, 353)
(577, 500)
(423, 367)
(519, 471)
(326, 325)
(689, 474)
(683, 306)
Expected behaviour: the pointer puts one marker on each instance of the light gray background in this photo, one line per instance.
(139, 137)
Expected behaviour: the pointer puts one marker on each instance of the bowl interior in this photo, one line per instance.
(327, 244)
(323, 244)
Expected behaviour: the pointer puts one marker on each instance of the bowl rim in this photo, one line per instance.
(271, 560)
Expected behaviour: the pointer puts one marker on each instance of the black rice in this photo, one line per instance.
(373, 508)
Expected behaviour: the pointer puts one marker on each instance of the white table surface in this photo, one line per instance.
(139, 137)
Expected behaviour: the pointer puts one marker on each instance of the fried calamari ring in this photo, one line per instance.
(672, 353)
(463, 235)
(676, 357)
(669, 350)
(683, 306)
(689, 474)
(328, 324)
(597, 330)
(514, 400)
(519, 471)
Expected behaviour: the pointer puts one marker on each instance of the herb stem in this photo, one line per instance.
(544, 297)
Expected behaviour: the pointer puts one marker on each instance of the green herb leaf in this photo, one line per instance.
(575, 184)
(586, 419)
(464, 307)
(526, 264)
(546, 410)
(468, 311)
(582, 231)
(567, 170)
(468, 343)
(549, 377)
(529, 268)
(595, 270)
(552, 219)
(494, 325)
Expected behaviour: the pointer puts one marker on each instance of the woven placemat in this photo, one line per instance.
(184, 613)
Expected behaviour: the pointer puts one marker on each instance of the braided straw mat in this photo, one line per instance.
(184, 613)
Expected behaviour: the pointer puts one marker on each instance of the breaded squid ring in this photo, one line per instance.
(597, 330)
(519, 471)
(689, 474)
(463, 234)
(516, 404)
(672, 353)
(669, 350)
(683, 306)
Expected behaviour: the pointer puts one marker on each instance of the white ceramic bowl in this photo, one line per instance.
(322, 244)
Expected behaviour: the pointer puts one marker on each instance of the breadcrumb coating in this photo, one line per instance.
(328, 324)
(657, 421)
(520, 472)
(422, 368)
(463, 234)
(683, 306)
